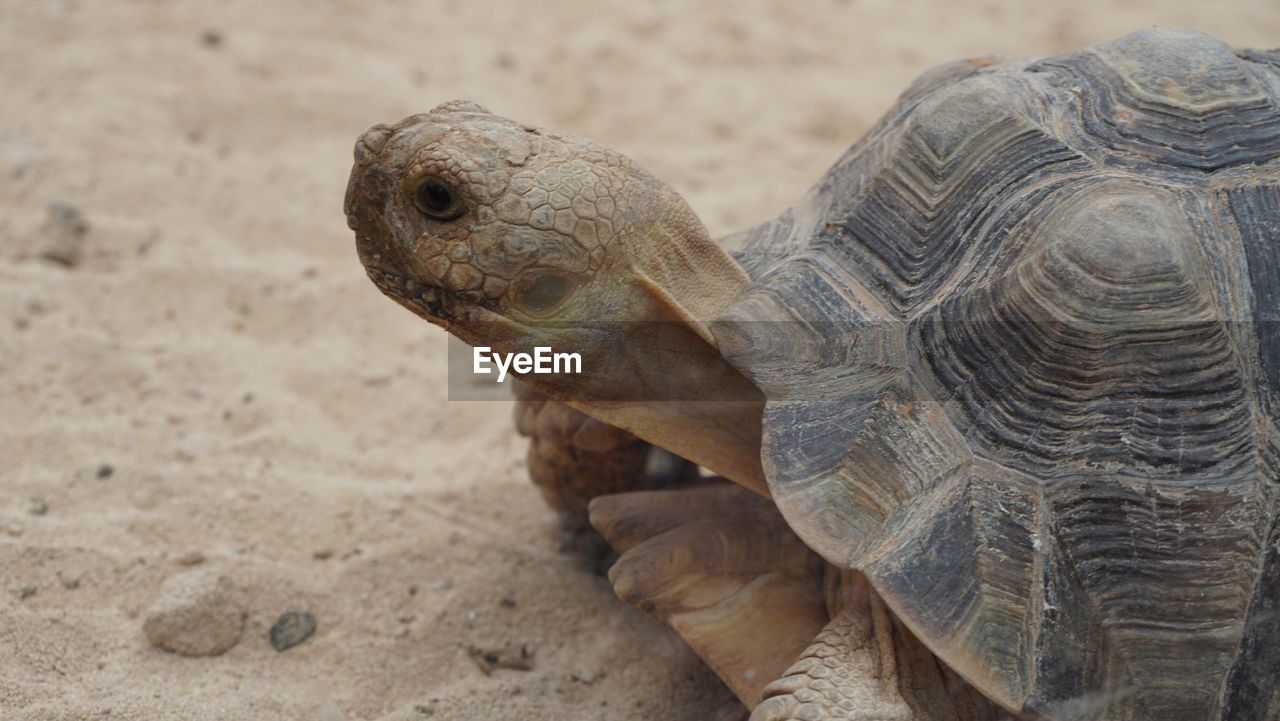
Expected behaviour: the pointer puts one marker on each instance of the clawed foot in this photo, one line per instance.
(719, 566)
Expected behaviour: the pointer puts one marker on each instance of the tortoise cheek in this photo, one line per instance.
(540, 293)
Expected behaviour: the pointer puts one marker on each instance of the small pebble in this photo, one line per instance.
(291, 629)
(38, 507)
(196, 613)
(517, 657)
(211, 39)
(323, 554)
(190, 558)
(404, 617)
(27, 592)
(66, 228)
(71, 584)
(105, 471)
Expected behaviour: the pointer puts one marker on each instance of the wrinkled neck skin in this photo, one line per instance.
(705, 411)
(686, 397)
(722, 436)
(647, 370)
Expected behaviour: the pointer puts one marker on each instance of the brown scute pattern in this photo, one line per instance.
(1071, 260)
(1175, 97)
(848, 177)
(1167, 609)
(1265, 57)
(807, 317)
(803, 466)
(917, 217)
(1256, 211)
(964, 566)
(1099, 346)
(894, 452)
(1254, 685)
(762, 248)
(903, 451)
(769, 335)
(1068, 677)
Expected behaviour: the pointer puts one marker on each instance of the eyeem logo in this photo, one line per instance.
(542, 361)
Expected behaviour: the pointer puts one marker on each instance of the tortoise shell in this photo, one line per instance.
(1021, 351)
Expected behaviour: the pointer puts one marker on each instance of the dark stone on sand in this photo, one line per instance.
(291, 629)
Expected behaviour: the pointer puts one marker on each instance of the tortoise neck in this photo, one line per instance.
(721, 436)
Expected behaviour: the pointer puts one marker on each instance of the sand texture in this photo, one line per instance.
(195, 374)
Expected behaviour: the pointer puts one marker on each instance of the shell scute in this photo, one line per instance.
(965, 147)
(1177, 98)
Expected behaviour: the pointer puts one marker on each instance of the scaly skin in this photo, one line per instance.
(574, 458)
(866, 666)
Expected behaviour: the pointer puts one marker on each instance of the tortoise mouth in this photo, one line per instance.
(432, 302)
(451, 310)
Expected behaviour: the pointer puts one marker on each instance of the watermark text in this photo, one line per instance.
(543, 360)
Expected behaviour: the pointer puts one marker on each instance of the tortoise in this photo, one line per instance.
(999, 397)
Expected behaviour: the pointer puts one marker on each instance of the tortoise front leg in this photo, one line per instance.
(866, 666)
(718, 565)
(573, 458)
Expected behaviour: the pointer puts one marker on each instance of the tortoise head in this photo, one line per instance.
(513, 237)
(486, 226)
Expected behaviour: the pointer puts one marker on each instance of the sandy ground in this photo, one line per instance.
(215, 375)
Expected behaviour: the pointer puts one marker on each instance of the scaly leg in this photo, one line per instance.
(719, 565)
(866, 666)
(573, 458)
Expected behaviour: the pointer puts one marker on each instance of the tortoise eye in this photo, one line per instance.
(437, 199)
